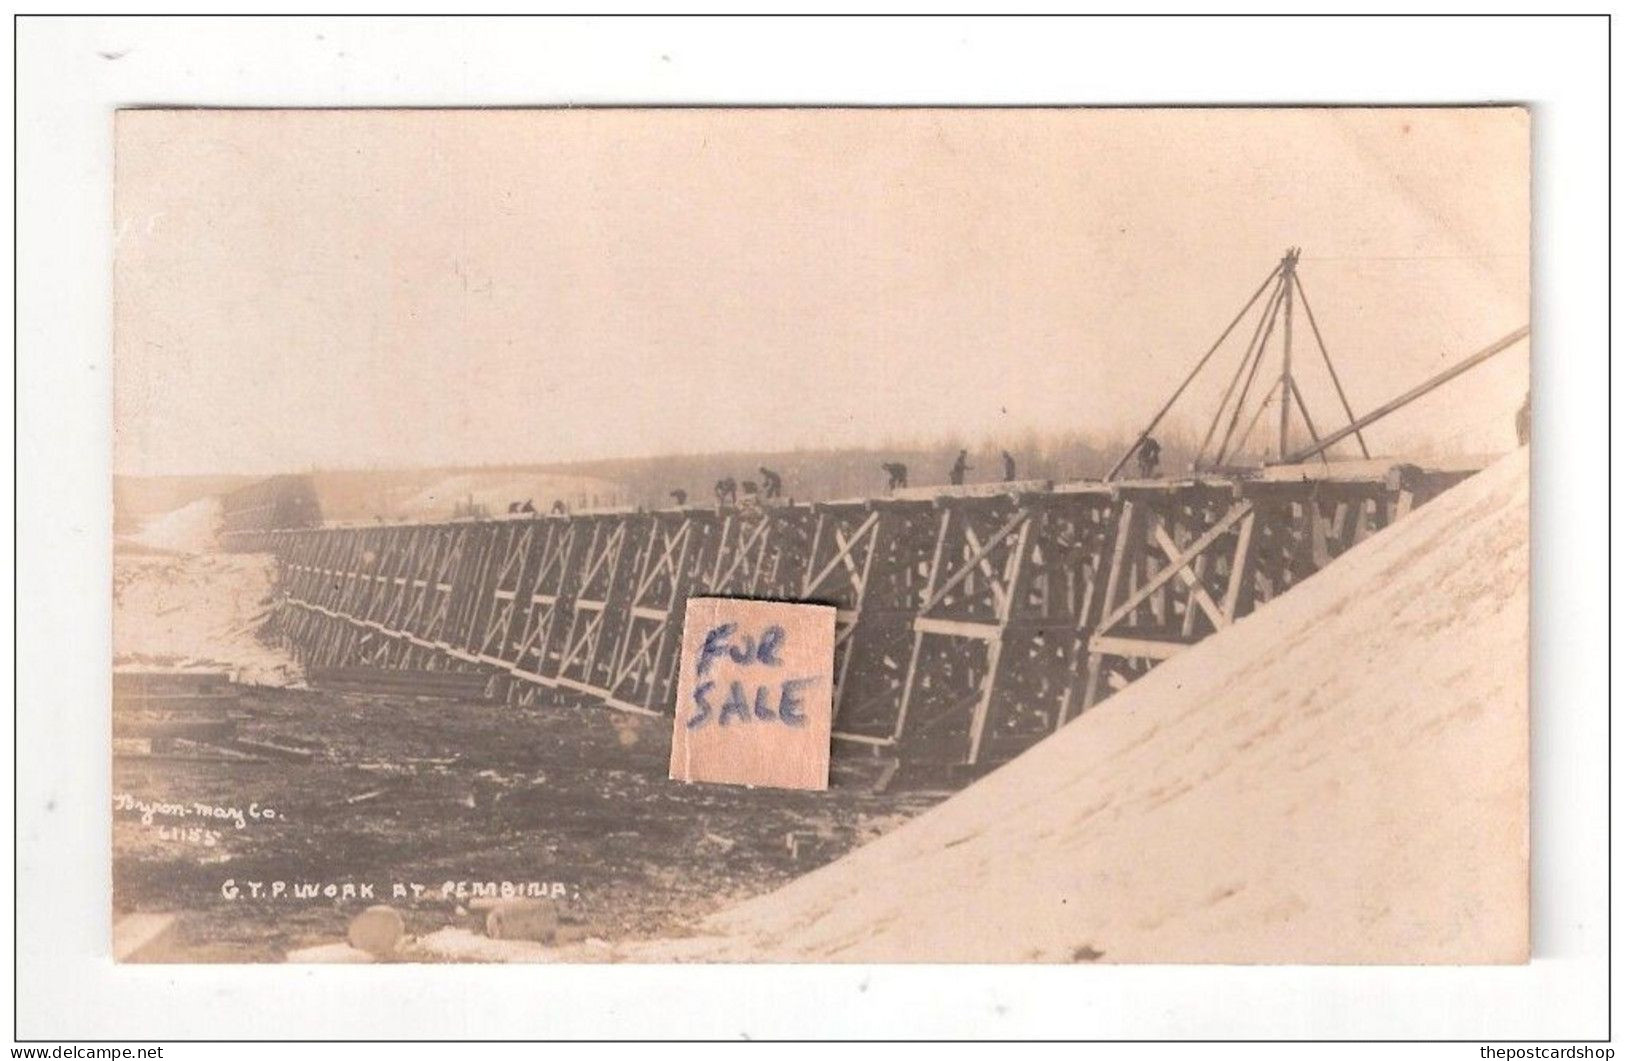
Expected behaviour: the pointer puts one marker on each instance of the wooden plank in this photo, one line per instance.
(1187, 626)
(864, 738)
(979, 713)
(1126, 526)
(958, 628)
(271, 750)
(1091, 689)
(1411, 395)
(1135, 647)
(1241, 567)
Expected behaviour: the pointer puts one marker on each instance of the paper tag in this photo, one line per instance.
(755, 693)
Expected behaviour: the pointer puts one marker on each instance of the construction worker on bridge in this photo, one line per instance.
(679, 498)
(956, 474)
(1009, 466)
(1150, 455)
(896, 475)
(772, 484)
(727, 491)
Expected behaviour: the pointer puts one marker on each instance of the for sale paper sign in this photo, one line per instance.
(755, 693)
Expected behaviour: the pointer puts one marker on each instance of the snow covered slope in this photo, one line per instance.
(1340, 777)
(192, 528)
(198, 610)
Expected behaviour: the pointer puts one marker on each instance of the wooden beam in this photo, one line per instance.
(1135, 647)
(1411, 395)
(958, 628)
(1241, 566)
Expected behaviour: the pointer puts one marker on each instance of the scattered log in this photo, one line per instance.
(285, 752)
(378, 930)
(532, 919)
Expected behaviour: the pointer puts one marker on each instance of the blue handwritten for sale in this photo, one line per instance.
(767, 701)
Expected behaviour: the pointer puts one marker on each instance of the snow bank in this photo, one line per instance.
(192, 528)
(198, 610)
(1340, 777)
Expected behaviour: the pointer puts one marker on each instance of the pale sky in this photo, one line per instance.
(409, 288)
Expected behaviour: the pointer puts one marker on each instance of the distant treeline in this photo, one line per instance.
(808, 475)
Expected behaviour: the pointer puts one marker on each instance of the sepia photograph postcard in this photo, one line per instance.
(821, 535)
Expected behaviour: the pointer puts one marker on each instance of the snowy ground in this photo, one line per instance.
(192, 528)
(429, 791)
(197, 610)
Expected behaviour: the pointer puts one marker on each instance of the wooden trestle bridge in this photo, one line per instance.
(972, 621)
